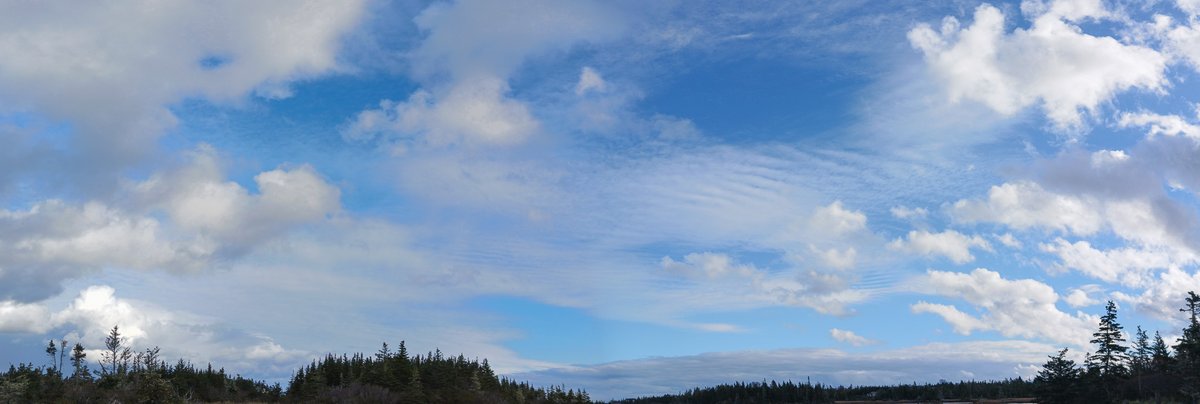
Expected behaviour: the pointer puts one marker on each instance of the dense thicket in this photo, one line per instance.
(395, 377)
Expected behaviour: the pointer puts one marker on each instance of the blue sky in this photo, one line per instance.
(634, 198)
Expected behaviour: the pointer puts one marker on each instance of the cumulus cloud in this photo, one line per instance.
(474, 111)
(1025, 205)
(838, 220)
(950, 244)
(469, 50)
(16, 317)
(1079, 298)
(849, 337)
(1077, 71)
(55, 241)
(197, 198)
(207, 219)
(1160, 125)
(88, 318)
(1128, 266)
(1164, 294)
(113, 69)
(1014, 308)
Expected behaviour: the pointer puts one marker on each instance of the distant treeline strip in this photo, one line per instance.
(1146, 369)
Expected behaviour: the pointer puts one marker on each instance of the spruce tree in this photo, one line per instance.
(1161, 357)
(1058, 380)
(52, 352)
(1110, 356)
(77, 361)
(1187, 350)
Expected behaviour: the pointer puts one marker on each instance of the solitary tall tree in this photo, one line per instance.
(52, 352)
(1110, 356)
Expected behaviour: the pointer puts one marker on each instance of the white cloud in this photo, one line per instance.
(950, 244)
(473, 111)
(838, 220)
(1103, 158)
(1023, 307)
(1164, 125)
(835, 258)
(850, 337)
(469, 51)
(88, 318)
(1163, 295)
(18, 317)
(1127, 266)
(112, 69)
(198, 199)
(1008, 240)
(1025, 205)
(984, 63)
(1079, 298)
(904, 212)
(207, 220)
(1181, 41)
(54, 241)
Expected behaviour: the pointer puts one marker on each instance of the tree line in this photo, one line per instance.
(792, 392)
(126, 375)
(1144, 369)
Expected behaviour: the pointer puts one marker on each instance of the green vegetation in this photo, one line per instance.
(127, 376)
(1147, 370)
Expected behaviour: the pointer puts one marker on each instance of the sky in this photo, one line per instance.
(634, 198)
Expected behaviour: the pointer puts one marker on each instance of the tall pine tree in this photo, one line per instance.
(1110, 356)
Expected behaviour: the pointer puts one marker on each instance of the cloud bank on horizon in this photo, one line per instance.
(592, 192)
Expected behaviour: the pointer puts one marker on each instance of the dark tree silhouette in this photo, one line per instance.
(1058, 381)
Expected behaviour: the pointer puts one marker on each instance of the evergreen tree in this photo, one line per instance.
(1110, 356)
(1139, 357)
(52, 352)
(1141, 352)
(115, 359)
(77, 361)
(1160, 357)
(1187, 350)
(1058, 380)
